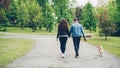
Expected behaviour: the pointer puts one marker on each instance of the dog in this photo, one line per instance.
(100, 50)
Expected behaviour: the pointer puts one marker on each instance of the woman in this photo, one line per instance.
(63, 34)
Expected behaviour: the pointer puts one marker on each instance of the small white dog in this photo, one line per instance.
(100, 50)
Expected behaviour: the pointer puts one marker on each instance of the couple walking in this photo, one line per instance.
(76, 30)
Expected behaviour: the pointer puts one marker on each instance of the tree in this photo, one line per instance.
(71, 14)
(4, 6)
(117, 17)
(114, 13)
(105, 25)
(78, 13)
(71, 10)
(22, 13)
(12, 13)
(43, 4)
(61, 8)
(88, 16)
(29, 12)
(49, 20)
(3, 20)
(35, 15)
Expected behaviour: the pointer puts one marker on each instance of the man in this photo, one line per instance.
(77, 31)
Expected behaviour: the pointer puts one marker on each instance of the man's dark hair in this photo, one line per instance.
(75, 19)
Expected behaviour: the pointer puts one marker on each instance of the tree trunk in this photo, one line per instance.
(105, 36)
(34, 27)
(47, 27)
(22, 26)
(90, 30)
(40, 27)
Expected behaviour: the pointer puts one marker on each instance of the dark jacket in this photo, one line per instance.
(63, 32)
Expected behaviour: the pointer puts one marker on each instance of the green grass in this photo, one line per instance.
(111, 45)
(29, 31)
(11, 49)
(2, 34)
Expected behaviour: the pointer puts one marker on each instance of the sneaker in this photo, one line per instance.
(76, 56)
(63, 56)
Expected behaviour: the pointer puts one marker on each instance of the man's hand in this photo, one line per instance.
(56, 39)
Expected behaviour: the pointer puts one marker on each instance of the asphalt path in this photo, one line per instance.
(46, 54)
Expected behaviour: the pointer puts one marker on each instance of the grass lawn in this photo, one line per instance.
(2, 34)
(112, 45)
(29, 31)
(11, 49)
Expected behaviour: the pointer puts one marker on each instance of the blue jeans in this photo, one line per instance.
(76, 41)
(63, 41)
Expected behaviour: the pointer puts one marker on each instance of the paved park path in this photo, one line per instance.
(46, 54)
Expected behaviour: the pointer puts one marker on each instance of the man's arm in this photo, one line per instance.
(83, 33)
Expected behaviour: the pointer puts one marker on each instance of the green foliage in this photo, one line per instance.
(43, 3)
(29, 12)
(78, 13)
(116, 16)
(49, 20)
(5, 4)
(12, 14)
(61, 8)
(3, 20)
(118, 4)
(88, 16)
(106, 27)
(71, 15)
(36, 13)
(113, 12)
(11, 49)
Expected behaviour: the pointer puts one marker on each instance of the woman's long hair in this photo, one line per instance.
(63, 25)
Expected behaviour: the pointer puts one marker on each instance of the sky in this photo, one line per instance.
(83, 2)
